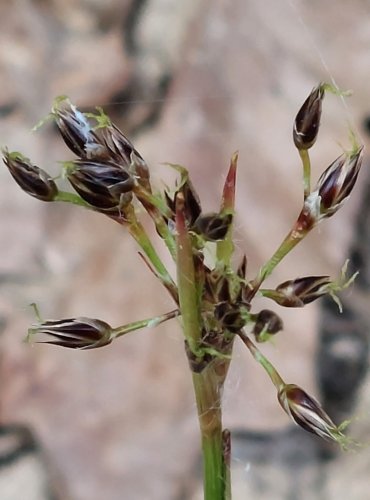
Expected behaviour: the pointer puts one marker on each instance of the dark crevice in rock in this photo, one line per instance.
(130, 24)
(7, 109)
(24, 444)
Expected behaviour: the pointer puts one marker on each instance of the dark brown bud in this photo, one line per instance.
(193, 208)
(299, 292)
(216, 286)
(103, 185)
(230, 316)
(267, 323)
(307, 121)
(211, 280)
(242, 269)
(192, 205)
(338, 180)
(213, 227)
(32, 179)
(75, 333)
(224, 292)
(308, 413)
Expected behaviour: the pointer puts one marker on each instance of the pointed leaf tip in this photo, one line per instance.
(228, 194)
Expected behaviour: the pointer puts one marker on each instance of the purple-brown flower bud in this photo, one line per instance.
(99, 141)
(299, 292)
(75, 129)
(105, 186)
(32, 179)
(307, 121)
(214, 226)
(336, 183)
(267, 323)
(75, 333)
(118, 147)
(308, 413)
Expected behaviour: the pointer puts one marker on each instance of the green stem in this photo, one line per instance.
(73, 198)
(306, 162)
(144, 323)
(262, 360)
(188, 297)
(226, 441)
(291, 240)
(137, 231)
(157, 211)
(209, 381)
(208, 398)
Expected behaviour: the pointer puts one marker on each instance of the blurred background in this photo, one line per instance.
(190, 83)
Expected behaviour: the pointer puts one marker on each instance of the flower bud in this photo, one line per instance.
(308, 413)
(32, 179)
(75, 333)
(307, 121)
(140, 170)
(267, 323)
(299, 292)
(75, 129)
(192, 206)
(336, 183)
(103, 185)
(213, 227)
(102, 141)
(118, 147)
(242, 269)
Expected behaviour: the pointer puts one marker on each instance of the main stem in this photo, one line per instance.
(208, 382)
(208, 398)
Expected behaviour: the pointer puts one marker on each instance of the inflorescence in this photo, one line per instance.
(214, 303)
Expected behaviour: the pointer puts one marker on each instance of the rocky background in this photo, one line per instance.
(189, 82)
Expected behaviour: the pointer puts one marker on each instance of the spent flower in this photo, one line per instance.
(230, 316)
(213, 226)
(267, 323)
